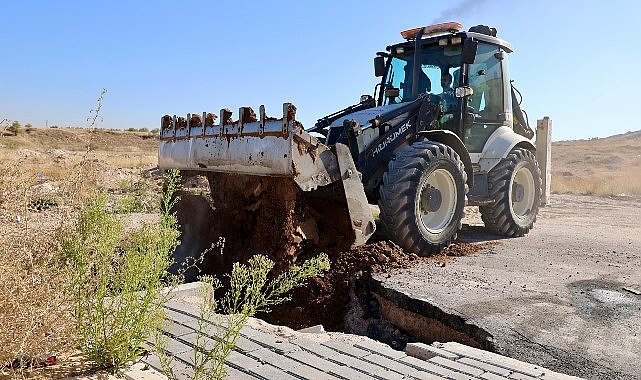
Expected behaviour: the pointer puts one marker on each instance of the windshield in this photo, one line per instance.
(440, 72)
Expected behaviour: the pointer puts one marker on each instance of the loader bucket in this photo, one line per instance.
(269, 149)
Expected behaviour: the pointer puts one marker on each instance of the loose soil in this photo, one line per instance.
(270, 216)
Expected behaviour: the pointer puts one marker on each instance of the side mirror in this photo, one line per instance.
(379, 66)
(469, 51)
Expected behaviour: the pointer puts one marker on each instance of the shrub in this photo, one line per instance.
(14, 128)
(118, 277)
(250, 291)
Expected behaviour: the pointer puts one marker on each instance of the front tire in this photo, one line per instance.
(422, 197)
(515, 185)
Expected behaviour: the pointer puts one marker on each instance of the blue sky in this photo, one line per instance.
(572, 59)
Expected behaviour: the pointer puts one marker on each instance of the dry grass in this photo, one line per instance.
(603, 167)
(33, 309)
(42, 184)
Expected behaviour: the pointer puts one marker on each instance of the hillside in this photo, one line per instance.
(605, 166)
(76, 139)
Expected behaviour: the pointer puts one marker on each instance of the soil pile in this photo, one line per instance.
(271, 216)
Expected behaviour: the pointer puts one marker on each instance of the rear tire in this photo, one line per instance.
(515, 185)
(422, 197)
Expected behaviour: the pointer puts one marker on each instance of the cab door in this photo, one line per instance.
(487, 106)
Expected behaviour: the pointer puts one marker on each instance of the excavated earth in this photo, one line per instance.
(242, 216)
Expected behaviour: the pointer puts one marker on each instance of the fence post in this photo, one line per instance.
(544, 156)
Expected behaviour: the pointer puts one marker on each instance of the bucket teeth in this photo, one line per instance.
(195, 120)
(247, 115)
(167, 122)
(181, 122)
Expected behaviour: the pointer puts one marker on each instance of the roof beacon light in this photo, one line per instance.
(451, 27)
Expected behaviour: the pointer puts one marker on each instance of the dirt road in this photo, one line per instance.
(567, 296)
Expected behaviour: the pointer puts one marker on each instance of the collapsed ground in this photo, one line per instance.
(269, 216)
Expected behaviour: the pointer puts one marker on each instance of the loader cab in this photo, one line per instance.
(466, 73)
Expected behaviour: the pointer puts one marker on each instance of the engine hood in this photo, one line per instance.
(363, 117)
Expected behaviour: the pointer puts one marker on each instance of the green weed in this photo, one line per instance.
(118, 277)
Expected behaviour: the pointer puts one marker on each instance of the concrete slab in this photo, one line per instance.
(274, 352)
(555, 298)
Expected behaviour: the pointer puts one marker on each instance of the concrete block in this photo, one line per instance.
(491, 376)
(307, 372)
(346, 348)
(424, 365)
(318, 329)
(181, 369)
(269, 372)
(265, 355)
(314, 347)
(379, 348)
(234, 374)
(485, 366)
(245, 345)
(372, 369)
(242, 362)
(182, 318)
(521, 376)
(184, 308)
(349, 373)
(392, 365)
(426, 352)
(492, 358)
(176, 328)
(456, 366)
(142, 371)
(306, 357)
(272, 342)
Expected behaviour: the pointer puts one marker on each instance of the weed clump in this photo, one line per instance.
(117, 278)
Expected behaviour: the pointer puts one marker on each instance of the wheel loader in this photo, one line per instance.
(442, 129)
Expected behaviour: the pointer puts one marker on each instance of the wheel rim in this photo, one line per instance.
(523, 193)
(437, 200)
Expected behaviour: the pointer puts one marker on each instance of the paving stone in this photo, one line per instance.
(346, 349)
(426, 366)
(186, 309)
(307, 372)
(367, 367)
(242, 362)
(314, 347)
(316, 329)
(245, 345)
(142, 371)
(494, 359)
(177, 347)
(485, 366)
(268, 356)
(349, 373)
(181, 369)
(234, 374)
(182, 318)
(426, 376)
(306, 357)
(426, 352)
(280, 345)
(491, 376)
(521, 376)
(177, 329)
(393, 365)
(456, 366)
(269, 372)
(380, 348)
